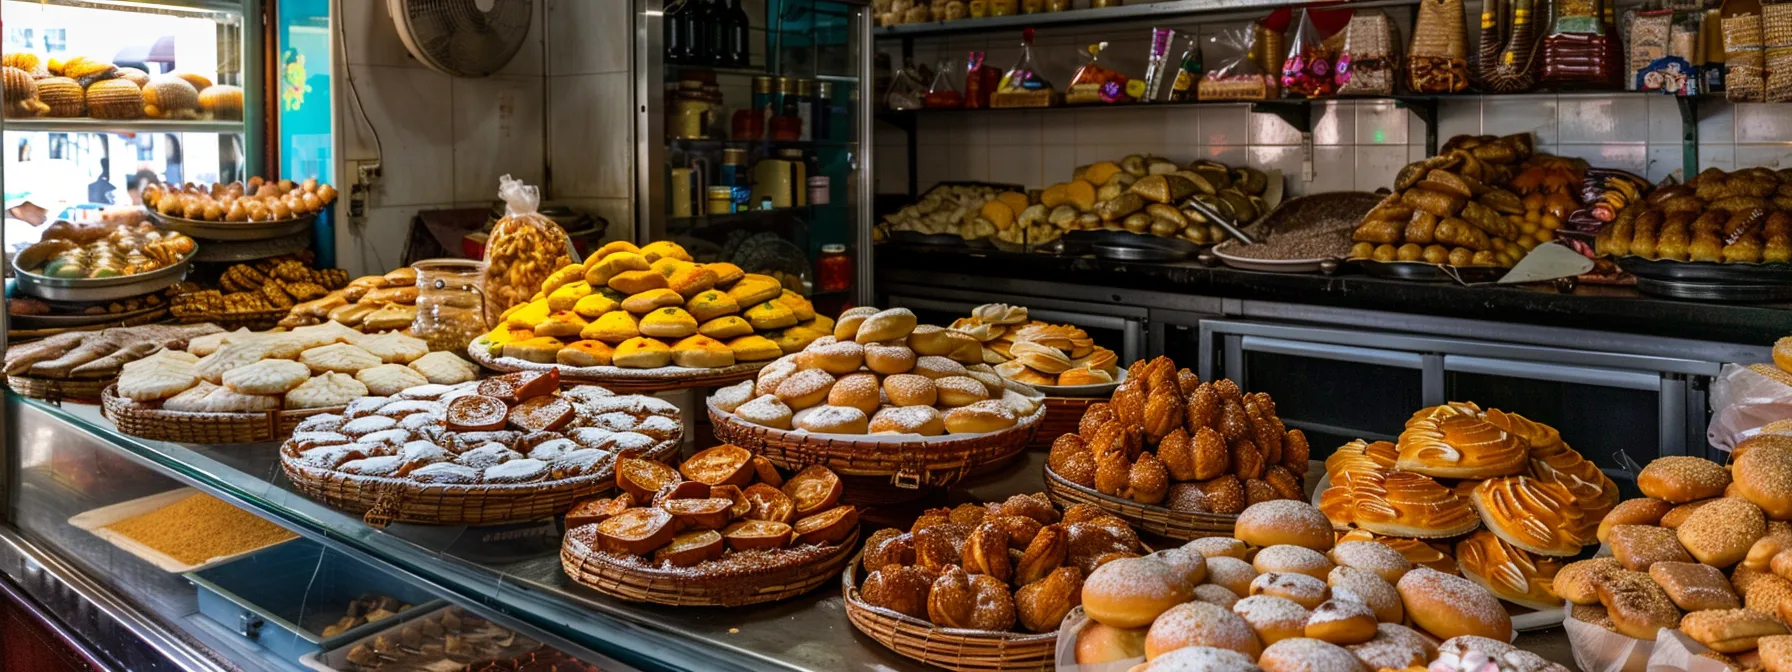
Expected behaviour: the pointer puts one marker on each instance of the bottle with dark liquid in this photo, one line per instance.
(737, 48)
(677, 23)
(706, 48)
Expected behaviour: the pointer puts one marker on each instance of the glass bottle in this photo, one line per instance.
(704, 16)
(450, 303)
(678, 31)
(834, 269)
(738, 49)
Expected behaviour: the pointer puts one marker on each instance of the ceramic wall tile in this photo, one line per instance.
(590, 135)
(498, 130)
(1224, 124)
(1382, 123)
(1717, 123)
(1763, 122)
(1721, 157)
(1458, 117)
(1331, 171)
(890, 168)
(1182, 127)
(965, 162)
(1585, 119)
(1016, 128)
(1284, 158)
(1019, 164)
(1134, 126)
(405, 105)
(588, 38)
(1376, 166)
(1056, 162)
(1665, 161)
(616, 211)
(530, 59)
(1269, 129)
(1335, 125)
(1231, 156)
(1627, 156)
(376, 244)
(1664, 119)
(1505, 116)
(1775, 155)
(369, 36)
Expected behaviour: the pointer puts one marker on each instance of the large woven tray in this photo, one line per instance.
(1062, 416)
(150, 422)
(751, 578)
(950, 648)
(84, 390)
(618, 379)
(382, 501)
(1146, 517)
(909, 464)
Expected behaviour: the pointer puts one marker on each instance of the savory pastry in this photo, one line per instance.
(1639, 546)
(1694, 587)
(1721, 533)
(1682, 479)
(1409, 504)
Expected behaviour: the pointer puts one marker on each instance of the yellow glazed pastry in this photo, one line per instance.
(702, 352)
(691, 280)
(712, 304)
(599, 274)
(612, 247)
(586, 353)
(642, 353)
(753, 348)
(770, 315)
(566, 325)
(664, 248)
(726, 274)
(794, 339)
(755, 289)
(566, 297)
(598, 302)
(669, 322)
(540, 349)
(647, 301)
(667, 266)
(531, 314)
(612, 327)
(804, 310)
(726, 327)
(635, 282)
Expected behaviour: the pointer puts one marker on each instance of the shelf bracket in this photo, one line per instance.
(1426, 110)
(1689, 136)
(1299, 114)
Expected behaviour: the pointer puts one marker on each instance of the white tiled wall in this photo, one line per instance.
(1357, 144)
(445, 140)
(590, 116)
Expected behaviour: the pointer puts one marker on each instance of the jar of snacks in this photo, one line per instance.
(523, 250)
(450, 303)
(834, 269)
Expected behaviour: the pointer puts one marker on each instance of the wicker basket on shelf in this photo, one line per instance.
(153, 422)
(950, 648)
(790, 573)
(1150, 518)
(383, 500)
(618, 379)
(932, 461)
(1062, 414)
(84, 390)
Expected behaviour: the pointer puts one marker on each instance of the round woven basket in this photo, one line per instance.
(950, 648)
(787, 574)
(150, 422)
(931, 461)
(382, 501)
(61, 389)
(1146, 517)
(618, 379)
(1062, 414)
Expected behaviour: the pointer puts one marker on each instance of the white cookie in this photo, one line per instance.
(231, 356)
(190, 399)
(393, 347)
(204, 345)
(226, 400)
(268, 376)
(325, 391)
(156, 378)
(445, 368)
(389, 379)
(165, 353)
(324, 334)
(338, 357)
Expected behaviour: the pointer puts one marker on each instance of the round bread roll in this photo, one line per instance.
(1386, 562)
(981, 417)
(1296, 559)
(1200, 659)
(858, 390)
(1680, 479)
(1212, 547)
(847, 326)
(832, 420)
(1098, 643)
(1199, 624)
(1342, 622)
(1284, 521)
(1369, 588)
(1448, 606)
(955, 391)
(922, 420)
(1764, 476)
(907, 389)
(1304, 590)
(928, 339)
(889, 325)
(1639, 511)
(889, 360)
(1132, 592)
(836, 358)
(1273, 618)
(1213, 593)
(806, 388)
(1307, 655)
(1191, 566)
(1720, 533)
(937, 367)
(1394, 646)
(1231, 573)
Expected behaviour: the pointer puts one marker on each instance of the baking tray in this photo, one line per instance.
(1422, 272)
(1706, 271)
(1721, 292)
(1266, 265)
(95, 521)
(233, 230)
(100, 289)
(66, 321)
(285, 617)
(336, 659)
(1129, 246)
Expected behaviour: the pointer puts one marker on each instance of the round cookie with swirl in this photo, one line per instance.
(1406, 504)
(1530, 514)
(1513, 574)
(1460, 446)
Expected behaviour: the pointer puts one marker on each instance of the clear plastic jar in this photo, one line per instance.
(450, 303)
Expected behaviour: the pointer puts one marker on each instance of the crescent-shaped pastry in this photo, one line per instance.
(1416, 551)
(1513, 574)
(1460, 446)
(1529, 514)
(1406, 504)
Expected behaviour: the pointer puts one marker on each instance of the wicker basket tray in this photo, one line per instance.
(1062, 415)
(1146, 517)
(151, 422)
(910, 464)
(382, 501)
(85, 390)
(792, 573)
(950, 648)
(618, 379)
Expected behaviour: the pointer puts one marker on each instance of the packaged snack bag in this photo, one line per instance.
(524, 248)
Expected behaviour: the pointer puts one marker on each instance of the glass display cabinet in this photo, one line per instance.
(754, 138)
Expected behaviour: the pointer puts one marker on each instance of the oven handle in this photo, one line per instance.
(1584, 375)
(1342, 353)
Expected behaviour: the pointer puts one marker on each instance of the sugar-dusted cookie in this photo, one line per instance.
(325, 391)
(393, 347)
(338, 357)
(444, 368)
(268, 376)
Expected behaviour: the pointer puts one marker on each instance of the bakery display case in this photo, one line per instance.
(755, 137)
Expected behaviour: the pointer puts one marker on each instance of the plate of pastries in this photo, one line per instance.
(723, 528)
(259, 208)
(1176, 455)
(260, 293)
(650, 312)
(1281, 596)
(513, 447)
(370, 303)
(1493, 496)
(991, 582)
(1717, 217)
(868, 379)
(1057, 359)
(1706, 551)
(100, 251)
(64, 88)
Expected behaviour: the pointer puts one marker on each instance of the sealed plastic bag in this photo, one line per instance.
(907, 91)
(1095, 82)
(943, 94)
(1237, 77)
(1024, 85)
(1307, 70)
(524, 248)
(1437, 60)
(1370, 59)
(1745, 399)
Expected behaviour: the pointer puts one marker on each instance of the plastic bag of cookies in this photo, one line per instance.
(523, 250)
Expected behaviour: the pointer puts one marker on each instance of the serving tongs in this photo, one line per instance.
(1213, 215)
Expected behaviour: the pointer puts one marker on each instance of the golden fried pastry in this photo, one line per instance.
(1342, 622)
(973, 601)
(1682, 479)
(1638, 546)
(1694, 587)
(1416, 551)
(1720, 533)
(1460, 446)
(1042, 605)
(1449, 606)
(1132, 592)
(1408, 504)
(1285, 521)
(1272, 618)
(1529, 514)
(1511, 573)
(1578, 581)
(1199, 624)
(1638, 608)
(1639, 511)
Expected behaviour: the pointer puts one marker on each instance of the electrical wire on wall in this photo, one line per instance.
(361, 190)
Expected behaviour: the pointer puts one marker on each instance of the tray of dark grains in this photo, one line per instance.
(1300, 233)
